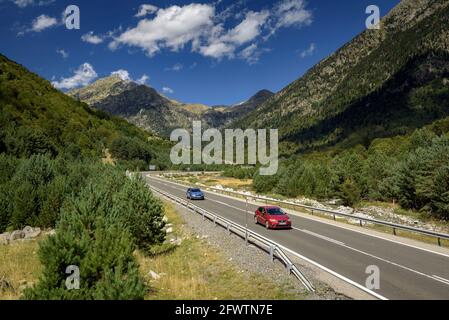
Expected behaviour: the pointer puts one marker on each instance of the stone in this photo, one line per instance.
(176, 242)
(5, 284)
(169, 230)
(154, 275)
(4, 238)
(31, 233)
(17, 235)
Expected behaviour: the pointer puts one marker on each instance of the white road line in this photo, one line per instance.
(320, 236)
(435, 278)
(332, 224)
(335, 274)
(441, 279)
(228, 205)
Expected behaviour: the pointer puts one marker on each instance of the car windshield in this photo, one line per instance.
(275, 212)
(195, 190)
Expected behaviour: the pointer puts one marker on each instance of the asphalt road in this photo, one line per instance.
(405, 272)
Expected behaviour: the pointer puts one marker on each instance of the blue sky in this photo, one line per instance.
(211, 52)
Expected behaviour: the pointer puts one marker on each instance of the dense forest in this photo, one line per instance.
(412, 170)
(52, 176)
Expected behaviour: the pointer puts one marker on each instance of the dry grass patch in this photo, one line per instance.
(19, 266)
(195, 270)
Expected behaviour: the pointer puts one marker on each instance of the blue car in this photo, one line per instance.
(195, 194)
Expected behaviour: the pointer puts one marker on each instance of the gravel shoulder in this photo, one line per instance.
(250, 259)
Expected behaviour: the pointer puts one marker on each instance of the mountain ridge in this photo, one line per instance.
(143, 106)
(359, 68)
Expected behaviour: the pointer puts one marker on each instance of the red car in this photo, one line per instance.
(272, 218)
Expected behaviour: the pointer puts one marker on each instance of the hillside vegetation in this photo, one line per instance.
(382, 83)
(370, 122)
(51, 176)
(35, 118)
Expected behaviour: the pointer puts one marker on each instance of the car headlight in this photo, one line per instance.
(273, 220)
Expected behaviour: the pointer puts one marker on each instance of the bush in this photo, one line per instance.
(141, 212)
(89, 237)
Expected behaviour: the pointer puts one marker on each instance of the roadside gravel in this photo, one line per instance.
(252, 259)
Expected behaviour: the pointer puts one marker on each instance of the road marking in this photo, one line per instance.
(335, 274)
(320, 236)
(325, 269)
(435, 278)
(441, 279)
(228, 205)
(327, 222)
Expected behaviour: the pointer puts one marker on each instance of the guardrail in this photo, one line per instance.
(250, 236)
(394, 226)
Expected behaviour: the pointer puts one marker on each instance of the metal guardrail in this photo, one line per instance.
(250, 236)
(394, 226)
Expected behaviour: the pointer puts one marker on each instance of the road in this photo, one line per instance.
(406, 272)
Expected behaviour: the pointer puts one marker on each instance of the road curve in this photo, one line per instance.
(405, 272)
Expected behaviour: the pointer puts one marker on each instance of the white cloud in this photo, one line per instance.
(218, 50)
(251, 54)
(176, 67)
(123, 74)
(82, 77)
(23, 3)
(43, 22)
(248, 29)
(143, 80)
(204, 29)
(90, 37)
(309, 51)
(146, 9)
(223, 44)
(171, 28)
(168, 90)
(26, 3)
(292, 13)
(63, 53)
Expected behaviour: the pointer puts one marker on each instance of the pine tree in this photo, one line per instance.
(99, 245)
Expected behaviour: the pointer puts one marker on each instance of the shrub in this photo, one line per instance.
(141, 212)
(88, 237)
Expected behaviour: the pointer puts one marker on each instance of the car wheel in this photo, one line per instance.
(267, 225)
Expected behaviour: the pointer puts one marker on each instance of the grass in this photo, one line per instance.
(195, 271)
(19, 265)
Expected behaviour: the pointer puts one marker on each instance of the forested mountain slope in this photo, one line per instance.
(35, 118)
(382, 83)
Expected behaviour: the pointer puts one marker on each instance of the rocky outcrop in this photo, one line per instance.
(28, 233)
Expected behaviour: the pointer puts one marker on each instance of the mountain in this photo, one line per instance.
(146, 108)
(140, 104)
(223, 116)
(382, 83)
(36, 118)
